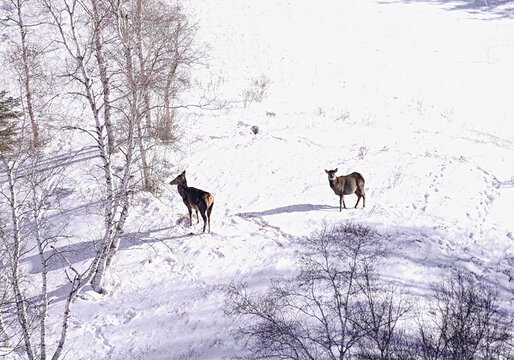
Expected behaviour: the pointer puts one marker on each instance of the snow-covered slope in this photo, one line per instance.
(415, 96)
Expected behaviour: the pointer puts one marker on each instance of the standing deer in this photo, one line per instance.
(195, 199)
(347, 185)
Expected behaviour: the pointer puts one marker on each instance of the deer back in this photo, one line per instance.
(347, 184)
(195, 197)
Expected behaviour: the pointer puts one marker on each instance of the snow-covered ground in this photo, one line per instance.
(415, 95)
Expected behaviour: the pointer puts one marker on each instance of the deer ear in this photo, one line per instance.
(183, 173)
(326, 171)
(335, 170)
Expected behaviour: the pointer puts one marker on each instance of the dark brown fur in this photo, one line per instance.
(347, 185)
(196, 199)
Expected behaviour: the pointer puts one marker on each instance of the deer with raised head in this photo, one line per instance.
(347, 185)
(196, 199)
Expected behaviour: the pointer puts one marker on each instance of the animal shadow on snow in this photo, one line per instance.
(289, 209)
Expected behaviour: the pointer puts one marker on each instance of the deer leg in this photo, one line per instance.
(204, 217)
(209, 210)
(358, 199)
(197, 217)
(190, 215)
(341, 203)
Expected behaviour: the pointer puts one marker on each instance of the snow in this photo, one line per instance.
(414, 95)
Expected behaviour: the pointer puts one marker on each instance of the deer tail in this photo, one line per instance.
(209, 199)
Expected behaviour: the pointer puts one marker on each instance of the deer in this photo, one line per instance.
(347, 185)
(196, 199)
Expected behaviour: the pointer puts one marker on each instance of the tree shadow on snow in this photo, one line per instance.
(82, 251)
(51, 163)
(501, 9)
(289, 209)
(430, 250)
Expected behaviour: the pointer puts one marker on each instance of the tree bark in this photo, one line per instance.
(44, 274)
(104, 154)
(169, 95)
(4, 335)
(143, 83)
(102, 67)
(122, 199)
(44, 291)
(21, 309)
(26, 73)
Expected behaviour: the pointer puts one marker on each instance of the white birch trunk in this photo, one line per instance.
(142, 65)
(4, 335)
(122, 199)
(26, 75)
(168, 97)
(64, 328)
(77, 286)
(21, 309)
(102, 67)
(110, 196)
(148, 183)
(143, 83)
(44, 273)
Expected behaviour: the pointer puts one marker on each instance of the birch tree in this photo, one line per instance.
(132, 97)
(14, 252)
(8, 115)
(145, 37)
(118, 58)
(100, 19)
(5, 297)
(164, 50)
(73, 22)
(24, 18)
(30, 194)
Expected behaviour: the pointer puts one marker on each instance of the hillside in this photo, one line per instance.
(414, 95)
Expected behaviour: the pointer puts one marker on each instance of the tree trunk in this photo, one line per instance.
(44, 273)
(148, 183)
(77, 285)
(169, 95)
(64, 328)
(21, 309)
(143, 83)
(26, 79)
(122, 200)
(102, 67)
(4, 335)
(144, 78)
(86, 81)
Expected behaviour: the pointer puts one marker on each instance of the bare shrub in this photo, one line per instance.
(165, 128)
(344, 115)
(257, 91)
(363, 151)
(465, 323)
(333, 309)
